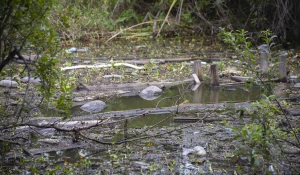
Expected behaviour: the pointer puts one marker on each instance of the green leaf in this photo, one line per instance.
(34, 170)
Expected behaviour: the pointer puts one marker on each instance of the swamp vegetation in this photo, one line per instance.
(60, 59)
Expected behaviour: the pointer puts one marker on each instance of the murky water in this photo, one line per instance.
(205, 94)
(165, 149)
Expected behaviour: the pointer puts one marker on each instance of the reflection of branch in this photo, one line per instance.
(164, 99)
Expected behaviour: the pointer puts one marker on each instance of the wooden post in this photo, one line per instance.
(198, 70)
(214, 77)
(282, 67)
(264, 62)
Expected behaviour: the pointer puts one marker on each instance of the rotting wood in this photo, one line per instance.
(102, 66)
(35, 151)
(213, 59)
(211, 53)
(139, 112)
(132, 87)
(145, 61)
(193, 119)
(180, 108)
(240, 78)
(167, 60)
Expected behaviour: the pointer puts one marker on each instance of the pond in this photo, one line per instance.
(154, 143)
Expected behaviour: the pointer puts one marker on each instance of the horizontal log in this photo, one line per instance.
(102, 66)
(181, 108)
(132, 87)
(212, 53)
(193, 119)
(142, 60)
(35, 151)
(240, 78)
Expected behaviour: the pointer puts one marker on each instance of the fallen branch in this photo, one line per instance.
(181, 108)
(132, 87)
(102, 66)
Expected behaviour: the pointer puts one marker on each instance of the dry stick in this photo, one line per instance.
(248, 18)
(122, 30)
(115, 8)
(221, 10)
(163, 99)
(166, 18)
(178, 18)
(18, 112)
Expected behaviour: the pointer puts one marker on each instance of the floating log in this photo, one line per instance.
(132, 87)
(180, 108)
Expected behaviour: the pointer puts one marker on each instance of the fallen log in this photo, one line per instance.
(167, 60)
(145, 61)
(180, 108)
(35, 151)
(193, 119)
(102, 66)
(211, 53)
(240, 78)
(187, 107)
(132, 87)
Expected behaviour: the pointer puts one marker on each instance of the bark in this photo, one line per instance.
(132, 87)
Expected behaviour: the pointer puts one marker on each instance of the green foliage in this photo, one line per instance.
(188, 18)
(241, 44)
(127, 15)
(26, 30)
(63, 103)
(48, 73)
(261, 135)
(221, 66)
